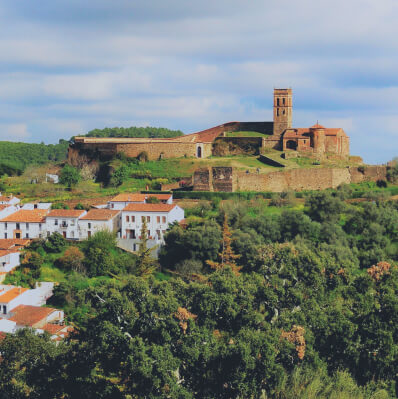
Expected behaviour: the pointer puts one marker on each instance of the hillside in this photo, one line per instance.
(15, 157)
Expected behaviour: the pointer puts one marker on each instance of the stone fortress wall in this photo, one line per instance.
(228, 179)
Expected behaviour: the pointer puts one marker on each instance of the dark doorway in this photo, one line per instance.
(199, 152)
(64, 234)
(291, 145)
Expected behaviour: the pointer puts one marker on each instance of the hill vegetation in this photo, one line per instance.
(153, 132)
(15, 157)
(255, 300)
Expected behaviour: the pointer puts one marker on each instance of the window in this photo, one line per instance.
(163, 219)
(133, 219)
(5, 225)
(27, 226)
(5, 235)
(112, 205)
(35, 206)
(158, 219)
(127, 218)
(135, 247)
(72, 234)
(39, 226)
(158, 233)
(56, 222)
(284, 103)
(17, 226)
(4, 309)
(148, 218)
(27, 235)
(277, 112)
(89, 225)
(277, 102)
(89, 234)
(149, 233)
(142, 219)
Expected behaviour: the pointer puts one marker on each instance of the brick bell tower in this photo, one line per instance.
(283, 109)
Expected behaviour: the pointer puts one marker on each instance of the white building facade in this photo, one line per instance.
(158, 217)
(97, 220)
(65, 222)
(24, 224)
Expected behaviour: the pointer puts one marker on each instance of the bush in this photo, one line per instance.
(143, 156)
(381, 183)
(72, 260)
(55, 243)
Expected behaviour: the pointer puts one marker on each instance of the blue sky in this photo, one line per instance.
(70, 66)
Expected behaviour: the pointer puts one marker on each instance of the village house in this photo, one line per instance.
(65, 222)
(6, 209)
(122, 200)
(9, 200)
(12, 296)
(24, 224)
(10, 251)
(158, 217)
(98, 219)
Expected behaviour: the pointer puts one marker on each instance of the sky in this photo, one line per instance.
(70, 66)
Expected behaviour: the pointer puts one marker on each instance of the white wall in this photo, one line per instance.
(39, 205)
(158, 221)
(97, 225)
(69, 225)
(9, 261)
(28, 230)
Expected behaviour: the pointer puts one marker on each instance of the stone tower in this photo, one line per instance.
(283, 107)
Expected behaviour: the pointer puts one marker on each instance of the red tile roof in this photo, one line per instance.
(100, 214)
(27, 216)
(126, 197)
(4, 206)
(11, 294)
(4, 198)
(65, 213)
(138, 197)
(8, 243)
(27, 315)
(149, 207)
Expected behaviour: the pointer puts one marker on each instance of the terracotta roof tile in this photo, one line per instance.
(11, 294)
(65, 213)
(4, 206)
(27, 216)
(126, 197)
(27, 315)
(8, 243)
(149, 207)
(4, 198)
(100, 214)
(138, 197)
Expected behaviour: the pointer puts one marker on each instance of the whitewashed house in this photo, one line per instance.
(24, 224)
(9, 260)
(98, 219)
(12, 296)
(122, 200)
(9, 200)
(158, 217)
(37, 205)
(6, 210)
(65, 222)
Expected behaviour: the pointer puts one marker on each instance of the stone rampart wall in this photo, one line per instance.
(294, 179)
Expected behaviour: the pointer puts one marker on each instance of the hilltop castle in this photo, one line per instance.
(316, 140)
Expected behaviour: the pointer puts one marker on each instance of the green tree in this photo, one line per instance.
(69, 176)
(145, 264)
